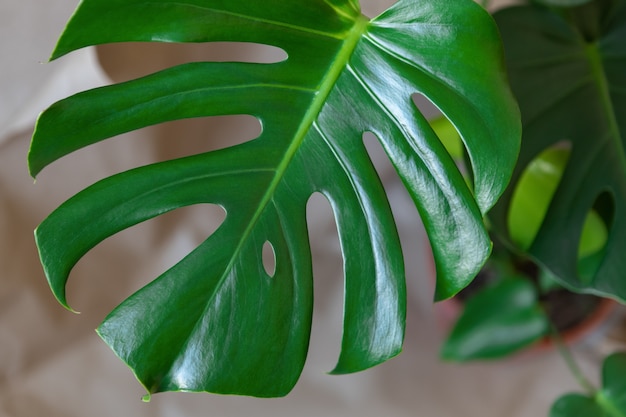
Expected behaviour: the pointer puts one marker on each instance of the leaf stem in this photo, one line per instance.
(567, 356)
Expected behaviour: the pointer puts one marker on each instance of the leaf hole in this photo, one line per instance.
(408, 222)
(444, 129)
(425, 106)
(595, 235)
(375, 7)
(129, 60)
(162, 142)
(328, 273)
(534, 192)
(163, 241)
(377, 155)
(269, 259)
(180, 138)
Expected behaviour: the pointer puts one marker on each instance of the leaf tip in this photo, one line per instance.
(60, 297)
(447, 356)
(70, 309)
(56, 277)
(33, 158)
(60, 49)
(337, 370)
(56, 54)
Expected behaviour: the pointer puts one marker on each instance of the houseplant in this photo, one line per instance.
(301, 154)
(345, 74)
(559, 212)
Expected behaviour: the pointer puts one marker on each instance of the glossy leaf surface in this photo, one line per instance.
(497, 321)
(216, 321)
(569, 76)
(610, 401)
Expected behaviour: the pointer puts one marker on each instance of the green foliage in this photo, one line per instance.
(216, 321)
(531, 199)
(610, 401)
(449, 137)
(568, 71)
(498, 320)
(577, 405)
(562, 3)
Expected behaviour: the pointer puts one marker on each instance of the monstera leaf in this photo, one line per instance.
(218, 321)
(568, 72)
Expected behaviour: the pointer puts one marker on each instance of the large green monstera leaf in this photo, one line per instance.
(218, 321)
(568, 71)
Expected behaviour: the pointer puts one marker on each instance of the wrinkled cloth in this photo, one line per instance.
(53, 364)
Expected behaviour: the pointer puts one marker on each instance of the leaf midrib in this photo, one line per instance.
(259, 20)
(599, 76)
(328, 82)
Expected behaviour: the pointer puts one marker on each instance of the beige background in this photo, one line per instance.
(51, 361)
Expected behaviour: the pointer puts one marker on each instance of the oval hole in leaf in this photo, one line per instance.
(130, 60)
(534, 193)
(269, 259)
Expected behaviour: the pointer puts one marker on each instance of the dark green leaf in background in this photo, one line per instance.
(568, 72)
(216, 321)
(562, 3)
(497, 321)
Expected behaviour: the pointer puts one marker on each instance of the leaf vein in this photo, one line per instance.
(258, 20)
